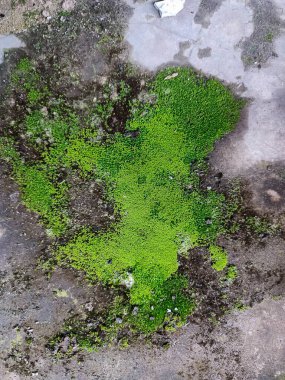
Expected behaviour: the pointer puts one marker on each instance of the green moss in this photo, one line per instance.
(240, 306)
(146, 177)
(26, 77)
(42, 196)
(15, 3)
(232, 272)
(219, 258)
(39, 193)
(269, 37)
(258, 225)
(8, 151)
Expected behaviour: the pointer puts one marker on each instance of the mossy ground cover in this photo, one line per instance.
(149, 172)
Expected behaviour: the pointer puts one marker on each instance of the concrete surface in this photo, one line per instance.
(9, 42)
(213, 43)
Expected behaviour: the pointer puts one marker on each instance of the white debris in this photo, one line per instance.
(168, 8)
(128, 281)
(174, 75)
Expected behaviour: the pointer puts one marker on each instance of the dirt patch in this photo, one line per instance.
(34, 306)
(17, 15)
(266, 186)
(89, 206)
(209, 286)
(84, 53)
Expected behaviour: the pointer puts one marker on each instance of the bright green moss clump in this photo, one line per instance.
(232, 272)
(149, 179)
(39, 193)
(26, 75)
(219, 257)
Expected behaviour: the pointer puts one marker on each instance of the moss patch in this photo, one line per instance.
(149, 170)
(219, 257)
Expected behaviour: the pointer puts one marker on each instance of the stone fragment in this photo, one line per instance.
(68, 5)
(46, 13)
(168, 8)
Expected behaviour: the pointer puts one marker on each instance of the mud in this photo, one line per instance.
(268, 191)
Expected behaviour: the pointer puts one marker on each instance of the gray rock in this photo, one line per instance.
(68, 5)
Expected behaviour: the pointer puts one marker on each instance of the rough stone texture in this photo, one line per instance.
(259, 47)
(18, 15)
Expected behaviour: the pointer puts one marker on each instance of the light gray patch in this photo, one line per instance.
(203, 53)
(9, 42)
(259, 47)
(226, 147)
(206, 10)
